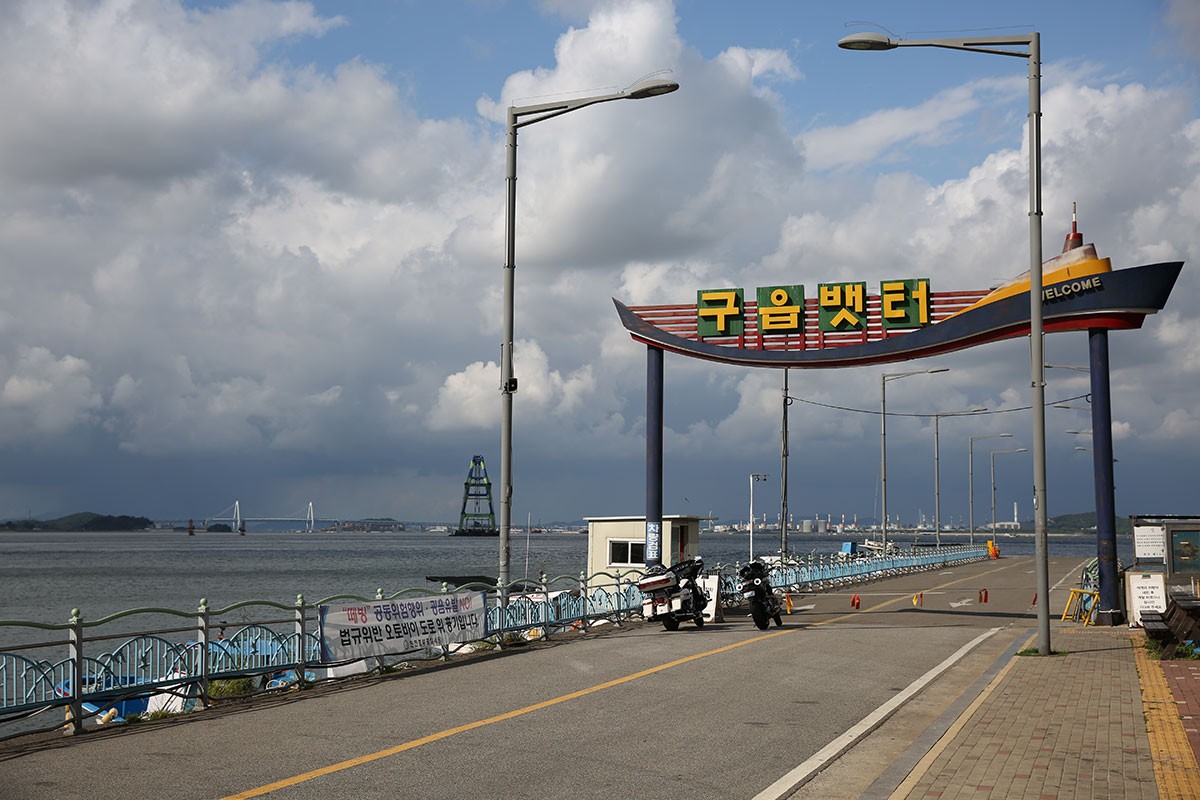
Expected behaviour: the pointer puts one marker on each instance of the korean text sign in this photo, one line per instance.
(351, 630)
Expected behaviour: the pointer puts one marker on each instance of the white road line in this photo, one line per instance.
(960, 603)
(1077, 570)
(803, 773)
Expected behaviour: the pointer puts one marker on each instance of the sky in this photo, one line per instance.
(253, 250)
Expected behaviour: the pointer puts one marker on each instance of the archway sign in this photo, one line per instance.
(846, 325)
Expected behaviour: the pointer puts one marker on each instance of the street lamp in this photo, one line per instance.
(996, 45)
(994, 454)
(883, 379)
(1090, 450)
(508, 382)
(755, 477)
(971, 473)
(937, 479)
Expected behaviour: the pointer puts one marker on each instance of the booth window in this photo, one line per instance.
(626, 551)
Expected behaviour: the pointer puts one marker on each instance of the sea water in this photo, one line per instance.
(43, 576)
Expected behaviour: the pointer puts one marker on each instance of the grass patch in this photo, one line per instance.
(159, 713)
(1033, 651)
(1187, 652)
(1153, 647)
(232, 687)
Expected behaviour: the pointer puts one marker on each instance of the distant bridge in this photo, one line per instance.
(233, 515)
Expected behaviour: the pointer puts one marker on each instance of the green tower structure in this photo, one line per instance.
(477, 490)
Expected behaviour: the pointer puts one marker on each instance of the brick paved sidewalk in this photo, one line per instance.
(1069, 726)
(1184, 679)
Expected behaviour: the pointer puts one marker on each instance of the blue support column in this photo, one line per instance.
(654, 454)
(1108, 612)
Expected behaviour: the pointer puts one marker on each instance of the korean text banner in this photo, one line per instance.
(356, 630)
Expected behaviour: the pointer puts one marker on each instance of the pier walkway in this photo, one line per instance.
(917, 693)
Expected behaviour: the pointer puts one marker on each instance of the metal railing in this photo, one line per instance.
(815, 573)
(276, 645)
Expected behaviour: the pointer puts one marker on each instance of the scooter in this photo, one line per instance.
(756, 588)
(672, 594)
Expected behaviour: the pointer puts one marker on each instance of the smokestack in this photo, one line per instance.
(1074, 238)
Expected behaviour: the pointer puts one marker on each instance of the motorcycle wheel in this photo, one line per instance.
(699, 620)
(778, 621)
(759, 614)
(670, 623)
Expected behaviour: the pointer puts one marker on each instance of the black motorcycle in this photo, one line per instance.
(756, 588)
(672, 594)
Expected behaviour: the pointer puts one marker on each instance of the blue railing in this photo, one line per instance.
(277, 644)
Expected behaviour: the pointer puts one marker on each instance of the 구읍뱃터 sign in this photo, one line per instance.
(841, 308)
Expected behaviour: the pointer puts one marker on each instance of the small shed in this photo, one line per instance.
(619, 543)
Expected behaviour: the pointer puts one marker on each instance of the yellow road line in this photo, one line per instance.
(354, 762)
(433, 737)
(1175, 768)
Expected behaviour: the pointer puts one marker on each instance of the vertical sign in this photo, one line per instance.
(904, 303)
(719, 313)
(780, 309)
(1185, 551)
(1144, 592)
(1149, 542)
(842, 306)
(653, 543)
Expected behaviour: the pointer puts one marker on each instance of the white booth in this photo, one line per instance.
(619, 543)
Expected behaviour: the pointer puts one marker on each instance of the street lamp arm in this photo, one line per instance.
(977, 44)
(640, 90)
(973, 45)
(550, 110)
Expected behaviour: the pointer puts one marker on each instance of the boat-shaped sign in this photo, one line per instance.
(844, 326)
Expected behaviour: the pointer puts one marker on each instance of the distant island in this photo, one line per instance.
(82, 521)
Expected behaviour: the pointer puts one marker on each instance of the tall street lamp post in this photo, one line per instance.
(937, 478)
(883, 379)
(519, 117)
(755, 477)
(996, 45)
(971, 473)
(994, 454)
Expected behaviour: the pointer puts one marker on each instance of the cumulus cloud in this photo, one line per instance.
(46, 394)
(213, 252)
(930, 123)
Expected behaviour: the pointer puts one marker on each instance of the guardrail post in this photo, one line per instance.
(445, 647)
(301, 643)
(618, 602)
(546, 603)
(205, 660)
(502, 601)
(77, 672)
(585, 617)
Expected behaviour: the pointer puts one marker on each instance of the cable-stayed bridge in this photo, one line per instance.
(232, 515)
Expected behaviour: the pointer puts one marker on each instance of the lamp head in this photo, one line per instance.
(651, 87)
(867, 41)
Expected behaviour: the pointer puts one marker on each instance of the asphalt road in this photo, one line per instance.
(722, 711)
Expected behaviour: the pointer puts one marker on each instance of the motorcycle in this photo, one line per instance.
(756, 588)
(672, 594)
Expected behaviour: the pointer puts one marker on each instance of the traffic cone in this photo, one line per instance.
(983, 595)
